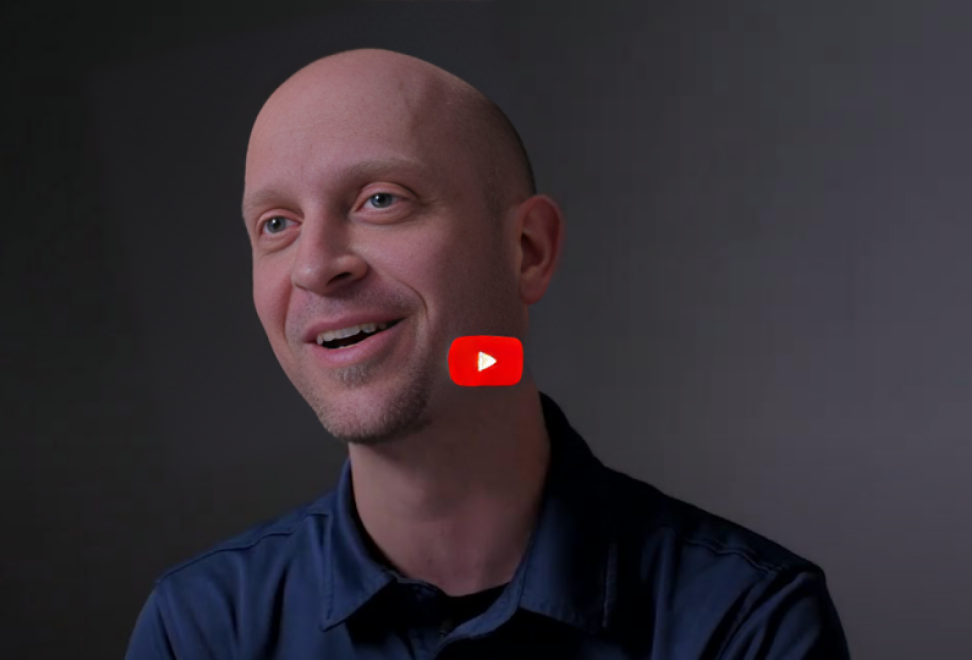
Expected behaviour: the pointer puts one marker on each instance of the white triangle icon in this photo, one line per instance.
(486, 360)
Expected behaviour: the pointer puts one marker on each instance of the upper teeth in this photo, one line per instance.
(343, 333)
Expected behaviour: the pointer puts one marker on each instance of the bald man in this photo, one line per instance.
(391, 209)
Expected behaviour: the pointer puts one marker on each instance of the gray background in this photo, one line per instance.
(762, 306)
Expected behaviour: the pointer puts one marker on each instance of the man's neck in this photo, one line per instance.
(455, 505)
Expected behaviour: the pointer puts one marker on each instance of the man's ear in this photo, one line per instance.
(540, 232)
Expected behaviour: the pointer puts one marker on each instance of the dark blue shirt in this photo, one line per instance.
(614, 569)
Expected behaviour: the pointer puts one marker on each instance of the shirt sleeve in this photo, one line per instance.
(150, 640)
(792, 617)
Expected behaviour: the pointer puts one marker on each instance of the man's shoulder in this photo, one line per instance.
(267, 546)
(654, 524)
(223, 597)
(715, 587)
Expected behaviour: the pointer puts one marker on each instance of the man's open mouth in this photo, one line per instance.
(352, 335)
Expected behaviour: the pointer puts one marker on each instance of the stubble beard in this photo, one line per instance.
(403, 413)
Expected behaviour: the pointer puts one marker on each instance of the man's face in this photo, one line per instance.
(364, 208)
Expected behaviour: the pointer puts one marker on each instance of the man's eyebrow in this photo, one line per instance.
(259, 199)
(366, 169)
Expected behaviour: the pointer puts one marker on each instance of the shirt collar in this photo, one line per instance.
(352, 575)
(568, 572)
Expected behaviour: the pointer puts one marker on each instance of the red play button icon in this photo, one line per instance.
(484, 360)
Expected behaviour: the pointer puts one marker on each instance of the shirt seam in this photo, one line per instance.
(241, 546)
(752, 556)
(743, 617)
(171, 635)
(722, 549)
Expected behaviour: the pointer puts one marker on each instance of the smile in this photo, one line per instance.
(334, 339)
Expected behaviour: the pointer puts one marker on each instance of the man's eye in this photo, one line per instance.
(275, 225)
(381, 200)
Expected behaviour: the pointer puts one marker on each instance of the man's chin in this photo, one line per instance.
(375, 436)
(368, 416)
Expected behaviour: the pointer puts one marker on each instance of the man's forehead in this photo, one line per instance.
(361, 114)
(347, 148)
(334, 114)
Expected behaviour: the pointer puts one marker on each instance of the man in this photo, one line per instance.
(391, 209)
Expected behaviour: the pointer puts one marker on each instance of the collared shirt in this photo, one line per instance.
(614, 569)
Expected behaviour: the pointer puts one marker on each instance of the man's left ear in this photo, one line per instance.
(540, 231)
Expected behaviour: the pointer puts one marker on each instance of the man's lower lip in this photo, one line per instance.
(356, 352)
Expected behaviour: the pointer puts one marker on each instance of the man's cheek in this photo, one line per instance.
(271, 295)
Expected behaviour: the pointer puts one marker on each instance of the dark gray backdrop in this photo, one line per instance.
(762, 307)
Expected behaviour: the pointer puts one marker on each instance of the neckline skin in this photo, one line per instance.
(456, 506)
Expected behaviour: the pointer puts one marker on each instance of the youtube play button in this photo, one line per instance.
(484, 360)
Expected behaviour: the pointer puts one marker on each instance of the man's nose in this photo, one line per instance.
(326, 260)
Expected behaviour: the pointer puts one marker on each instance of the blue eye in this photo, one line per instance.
(381, 200)
(276, 224)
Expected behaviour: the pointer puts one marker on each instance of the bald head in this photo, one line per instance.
(383, 191)
(431, 102)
